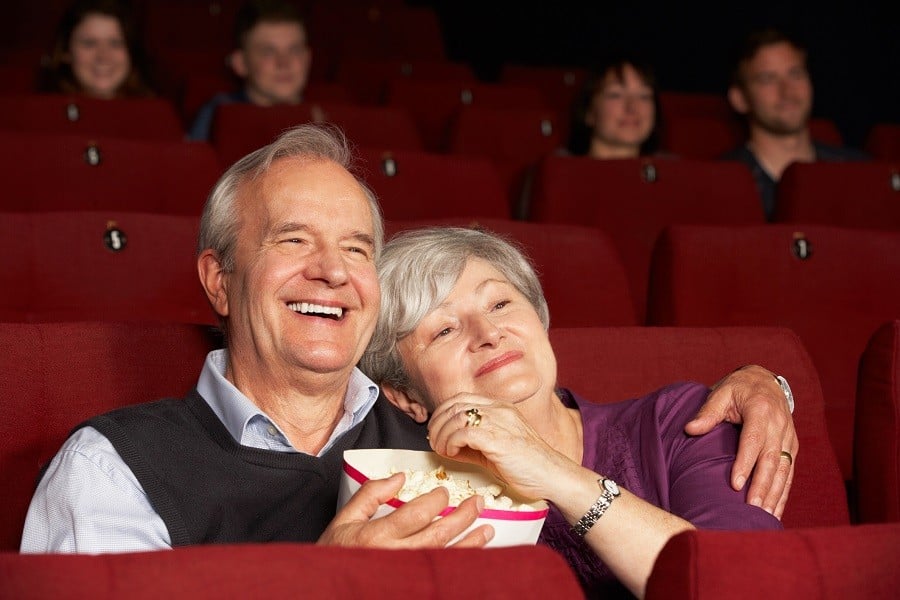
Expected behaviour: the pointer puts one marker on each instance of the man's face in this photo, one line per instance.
(303, 296)
(776, 92)
(274, 62)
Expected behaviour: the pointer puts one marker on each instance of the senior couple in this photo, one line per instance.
(289, 244)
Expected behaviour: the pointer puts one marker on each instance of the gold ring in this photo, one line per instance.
(787, 455)
(473, 418)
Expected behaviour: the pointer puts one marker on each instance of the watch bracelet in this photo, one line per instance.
(593, 514)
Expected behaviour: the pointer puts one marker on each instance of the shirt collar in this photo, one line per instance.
(236, 411)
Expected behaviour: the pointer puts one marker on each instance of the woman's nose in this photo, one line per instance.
(485, 332)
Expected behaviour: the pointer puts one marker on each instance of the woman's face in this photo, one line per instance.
(99, 55)
(622, 113)
(485, 338)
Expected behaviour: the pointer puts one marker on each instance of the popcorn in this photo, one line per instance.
(420, 482)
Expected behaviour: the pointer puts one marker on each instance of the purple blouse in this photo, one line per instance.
(641, 445)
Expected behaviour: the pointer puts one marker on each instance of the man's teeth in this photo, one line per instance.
(307, 308)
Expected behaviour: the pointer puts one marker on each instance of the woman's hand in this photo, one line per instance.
(502, 442)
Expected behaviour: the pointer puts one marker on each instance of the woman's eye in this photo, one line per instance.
(443, 332)
(501, 304)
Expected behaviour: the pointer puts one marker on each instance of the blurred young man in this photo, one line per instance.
(271, 56)
(771, 87)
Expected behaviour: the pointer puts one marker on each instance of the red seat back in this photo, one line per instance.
(55, 375)
(238, 129)
(559, 85)
(883, 141)
(82, 172)
(580, 271)
(844, 194)
(633, 200)
(876, 442)
(834, 287)
(109, 266)
(144, 118)
(421, 185)
(832, 562)
(368, 78)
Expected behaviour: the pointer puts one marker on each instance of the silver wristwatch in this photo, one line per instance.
(609, 492)
(788, 394)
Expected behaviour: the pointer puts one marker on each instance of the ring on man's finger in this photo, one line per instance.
(473, 418)
(788, 456)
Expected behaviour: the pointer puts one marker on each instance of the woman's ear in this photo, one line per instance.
(402, 400)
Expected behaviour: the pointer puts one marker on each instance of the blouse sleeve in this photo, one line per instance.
(699, 467)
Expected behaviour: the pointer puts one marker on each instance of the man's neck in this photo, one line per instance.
(775, 152)
(307, 408)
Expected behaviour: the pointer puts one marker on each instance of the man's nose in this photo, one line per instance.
(328, 265)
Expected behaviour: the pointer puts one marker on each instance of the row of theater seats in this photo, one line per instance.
(835, 562)
(833, 286)
(56, 374)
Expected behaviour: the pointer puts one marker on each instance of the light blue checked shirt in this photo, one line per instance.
(89, 501)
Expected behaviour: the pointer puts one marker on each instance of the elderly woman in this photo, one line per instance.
(465, 340)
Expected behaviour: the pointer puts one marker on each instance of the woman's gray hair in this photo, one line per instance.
(418, 270)
(219, 222)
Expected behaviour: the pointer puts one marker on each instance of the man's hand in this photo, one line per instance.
(413, 525)
(752, 397)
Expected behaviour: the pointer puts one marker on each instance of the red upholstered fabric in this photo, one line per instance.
(835, 562)
(843, 194)
(835, 299)
(238, 129)
(66, 267)
(583, 279)
(144, 118)
(876, 441)
(515, 139)
(292, 570)
(559, 85)
(704, 136)
(55, 375)
(883, 141)
(609, 364)
(434, 104)
(689, 104)
(47, 172)
(632, 200)
(368, 77)
(419, 185)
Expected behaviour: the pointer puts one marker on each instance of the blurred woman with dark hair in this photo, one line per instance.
(615, 116)
(96, 53)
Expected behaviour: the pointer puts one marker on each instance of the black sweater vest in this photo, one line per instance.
(209, 489)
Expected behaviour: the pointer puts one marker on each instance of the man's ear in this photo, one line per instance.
(402, 400)
(214, 281)
(238, 63)
(737, 100)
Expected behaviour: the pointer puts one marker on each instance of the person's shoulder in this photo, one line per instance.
(671, 402)
(827, 153)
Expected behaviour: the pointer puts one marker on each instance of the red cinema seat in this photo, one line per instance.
(833, 287)
(883, 141)
(101, 266)
(55, 375)
(559, 85)
(693, 104)
(238, 129)
(169, 24)
(434, 104)
(274, 570)
(515, 139)
(81, 172)
(143, 118)
(566, 258)
(368, 78)
(876, 441)
(831, 562)
(844, 194)
(633, 200)
(421, 185)
(611, 364)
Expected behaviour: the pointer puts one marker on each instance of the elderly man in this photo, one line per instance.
(287, 250)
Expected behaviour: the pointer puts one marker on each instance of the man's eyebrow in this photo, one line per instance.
(363, 238)
(289, 227)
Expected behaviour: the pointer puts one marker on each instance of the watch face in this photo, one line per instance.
(611, 487)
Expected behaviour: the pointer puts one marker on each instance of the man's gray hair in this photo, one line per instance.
(219, 222)
(418, 270)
